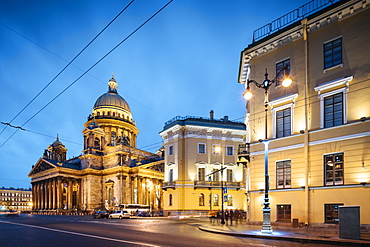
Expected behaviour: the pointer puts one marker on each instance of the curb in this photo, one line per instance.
(301, 239)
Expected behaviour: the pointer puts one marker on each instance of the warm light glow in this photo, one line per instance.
(248, 94)
(192, 176)
(217, 149)
(287, 81)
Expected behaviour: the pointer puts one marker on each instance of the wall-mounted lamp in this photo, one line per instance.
(301, 131)
(363, 165)
(363, 119)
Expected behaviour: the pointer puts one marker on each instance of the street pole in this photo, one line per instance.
(266, 226)
(222, 198)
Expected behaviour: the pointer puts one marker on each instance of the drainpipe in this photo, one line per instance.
(306, 119)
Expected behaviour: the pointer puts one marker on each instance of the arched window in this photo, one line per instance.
(229, 200)
(201, 199)
(97, 143)
(170, 200)
(215, 200)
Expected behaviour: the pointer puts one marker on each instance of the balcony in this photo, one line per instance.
(243, 154)
(169, 185)
(216, 184)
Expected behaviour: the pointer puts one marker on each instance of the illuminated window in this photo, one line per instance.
(201, 199)
(279, 66)
(170, 177)
(216, 149)
(334, 169)
(284, 212)
(229, 200)
(215, 200)
(333, 53)
(332, 213)
(283, 174)
(201, 173)
(229, 176)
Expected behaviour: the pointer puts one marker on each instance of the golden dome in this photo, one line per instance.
(112, 98)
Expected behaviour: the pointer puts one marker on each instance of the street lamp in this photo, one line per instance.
(266, 226)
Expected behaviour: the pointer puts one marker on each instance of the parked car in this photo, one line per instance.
(100, 214)
(120, 214)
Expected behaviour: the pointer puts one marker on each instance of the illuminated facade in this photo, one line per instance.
(16, 199)
(110, 171)
(197, 147)
(318, 128)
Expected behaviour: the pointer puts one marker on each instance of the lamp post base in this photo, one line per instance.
(266, 226)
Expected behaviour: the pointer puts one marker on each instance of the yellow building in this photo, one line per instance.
(200, 159)
(16, 199)
(111, 170)
(319, 127)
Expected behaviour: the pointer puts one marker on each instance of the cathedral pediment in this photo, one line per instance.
(40, 166)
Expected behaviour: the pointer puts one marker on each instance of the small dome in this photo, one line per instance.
(112, 98)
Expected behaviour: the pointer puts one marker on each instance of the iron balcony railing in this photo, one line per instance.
(170, 184)
(215, 184)
(291, 17)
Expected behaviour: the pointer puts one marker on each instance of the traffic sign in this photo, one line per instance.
(225, 190)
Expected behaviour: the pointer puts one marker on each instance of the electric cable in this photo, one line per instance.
(65, 67)
(57, 96)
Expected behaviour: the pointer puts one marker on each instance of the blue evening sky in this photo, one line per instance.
(184, 61)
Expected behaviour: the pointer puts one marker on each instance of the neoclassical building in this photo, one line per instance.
(201, 173)
(111, 170)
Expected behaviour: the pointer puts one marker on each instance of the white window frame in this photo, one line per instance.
(232, 150)
(201, 165)
(328, 86)
(205, 148)
(169, 149)
(282, 100)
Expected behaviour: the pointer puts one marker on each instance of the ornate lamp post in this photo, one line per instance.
(266, 226)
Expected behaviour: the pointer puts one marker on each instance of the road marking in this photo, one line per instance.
(80, 234)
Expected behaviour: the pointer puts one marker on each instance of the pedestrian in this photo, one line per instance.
(218, 216)
(231, 216)
(227, 216)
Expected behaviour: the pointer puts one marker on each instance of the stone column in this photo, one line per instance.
(59, 193)
(69, 194)
(42, 195)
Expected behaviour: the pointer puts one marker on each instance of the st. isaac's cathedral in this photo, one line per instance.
(111, 170)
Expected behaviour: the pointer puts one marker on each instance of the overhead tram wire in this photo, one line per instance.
(65, 67)
(132, 33)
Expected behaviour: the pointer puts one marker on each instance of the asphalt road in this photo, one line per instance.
(55, 230)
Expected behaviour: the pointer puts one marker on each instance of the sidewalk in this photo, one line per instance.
(303, 235)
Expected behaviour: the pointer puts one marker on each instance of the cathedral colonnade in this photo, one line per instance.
(58, 193)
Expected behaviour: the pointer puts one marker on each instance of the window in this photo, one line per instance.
(201, 174)
(215, 175)
(333, 107)
(284, 212)
(170, 177)
(283, 123)
(333, 165)
(283, 174)
(280, 74)
(229, 200)
(170, 150)
(201, 148)
(215, 200)
(333, 53)
(201, 199)
(216, 149)
(230, 150)
(229, 176)
(170, 200)
(332, 213)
